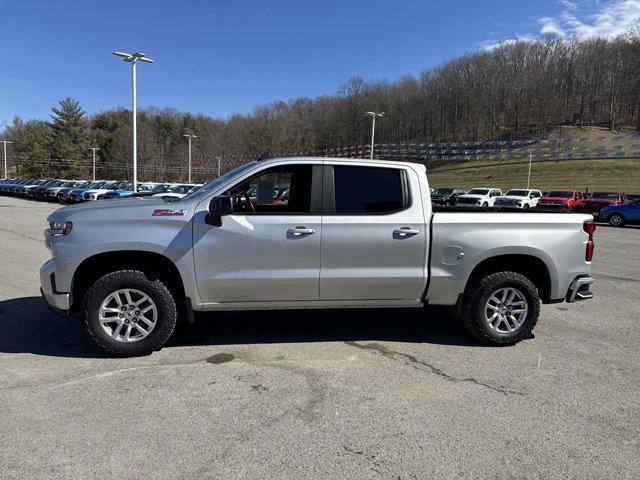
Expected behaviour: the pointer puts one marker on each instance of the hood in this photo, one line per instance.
(555, 199)
(477, 197)
(136, 208)
(510, 197)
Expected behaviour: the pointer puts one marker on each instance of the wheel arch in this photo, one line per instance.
(532, 267)
(94, 267)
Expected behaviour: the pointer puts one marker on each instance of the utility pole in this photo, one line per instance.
(133, 58)
(373, 128)
(4, 142)
(529, 176)
(93, 149)
(189, 137)
(218, 159)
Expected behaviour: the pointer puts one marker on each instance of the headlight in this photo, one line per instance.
(61, 227)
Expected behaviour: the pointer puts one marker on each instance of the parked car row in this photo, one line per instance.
(74, 191)
(616, 208)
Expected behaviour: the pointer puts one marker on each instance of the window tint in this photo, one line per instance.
(285, 189)
(367, 190)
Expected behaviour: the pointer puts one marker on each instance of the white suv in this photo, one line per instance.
(519, 198)
(478, 197)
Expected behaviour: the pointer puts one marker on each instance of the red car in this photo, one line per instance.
(565, 200)
(598, 200)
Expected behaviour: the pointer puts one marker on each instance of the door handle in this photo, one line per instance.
(299, 231)
(404, 232)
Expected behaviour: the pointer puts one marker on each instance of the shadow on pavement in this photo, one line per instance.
(28, 327)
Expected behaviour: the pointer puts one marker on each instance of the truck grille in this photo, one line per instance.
(467, 201)
(507, 203)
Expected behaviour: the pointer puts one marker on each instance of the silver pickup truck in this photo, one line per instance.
(295, 233)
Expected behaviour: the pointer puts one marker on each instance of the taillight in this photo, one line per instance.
(590, 228)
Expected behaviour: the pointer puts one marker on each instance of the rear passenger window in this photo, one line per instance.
(368, 190)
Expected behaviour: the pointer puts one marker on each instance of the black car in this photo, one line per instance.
(446, 196)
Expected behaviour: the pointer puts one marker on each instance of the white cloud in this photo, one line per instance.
(607, 19)
(582, 19)
(550, 27)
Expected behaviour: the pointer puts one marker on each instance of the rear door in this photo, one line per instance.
(373, 234)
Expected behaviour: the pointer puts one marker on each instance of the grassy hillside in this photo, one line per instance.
(609, 174)
(595, 174)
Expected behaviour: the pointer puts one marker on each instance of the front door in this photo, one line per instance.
(374, 238)
(269, 248)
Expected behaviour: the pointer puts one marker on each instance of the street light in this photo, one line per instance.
(189, 137)
(133, 58)
(5, 156)
(373, 127)
(93, 149)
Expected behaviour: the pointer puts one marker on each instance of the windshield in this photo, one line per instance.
(443, 191)
(159, 188)
(179, 188)
(477, 191)
(206, 188)
(605, 195)
(67, 184)
(93, 185)
(560, 194)
(517, 193)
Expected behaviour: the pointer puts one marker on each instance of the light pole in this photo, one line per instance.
(529, 175)
(218, 159)
(189, 137)
(93, 149)
(5, 156)
(373, 128)
(133, 58)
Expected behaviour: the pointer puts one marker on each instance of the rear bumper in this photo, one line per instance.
(579, 289)
(56, 301)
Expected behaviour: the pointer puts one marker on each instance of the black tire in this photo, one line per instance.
(485, 204)
(616, 220)
(474, 302)
(526, 206)
(148, 283)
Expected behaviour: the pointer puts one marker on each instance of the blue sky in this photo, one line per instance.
(221, 57)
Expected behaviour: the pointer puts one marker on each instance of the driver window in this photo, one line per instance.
(285, 189)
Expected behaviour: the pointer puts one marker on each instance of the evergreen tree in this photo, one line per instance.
(69, 135)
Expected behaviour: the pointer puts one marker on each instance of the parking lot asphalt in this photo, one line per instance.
(321, 394)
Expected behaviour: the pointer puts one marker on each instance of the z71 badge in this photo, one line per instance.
(168, 212)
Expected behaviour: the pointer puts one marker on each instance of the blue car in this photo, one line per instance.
(619, 215)
(77, 194)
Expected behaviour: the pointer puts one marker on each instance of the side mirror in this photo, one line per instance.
(218, 208)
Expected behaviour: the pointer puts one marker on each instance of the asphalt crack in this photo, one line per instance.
(23, 235)
(423, 366)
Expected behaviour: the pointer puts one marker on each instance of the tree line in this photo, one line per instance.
(518, 90)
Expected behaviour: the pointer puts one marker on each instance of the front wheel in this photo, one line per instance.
(616, 220)
(501, 309)
(129, 313)
(485, 204)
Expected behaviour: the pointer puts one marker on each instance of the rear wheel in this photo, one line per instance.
(129, 313)
(501, 309)
(616, 220)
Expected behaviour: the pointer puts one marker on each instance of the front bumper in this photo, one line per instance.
(579, 289)
(56, 301)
